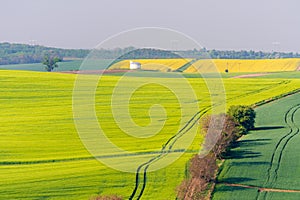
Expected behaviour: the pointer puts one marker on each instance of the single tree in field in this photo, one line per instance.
(51, 62)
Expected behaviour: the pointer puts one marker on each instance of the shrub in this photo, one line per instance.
(203, 167)
(202, 171)
(220, 131)
(244, 116)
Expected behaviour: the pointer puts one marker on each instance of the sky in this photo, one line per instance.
(267, 25)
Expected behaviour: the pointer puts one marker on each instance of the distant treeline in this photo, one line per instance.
(230, 54)
(24, 53)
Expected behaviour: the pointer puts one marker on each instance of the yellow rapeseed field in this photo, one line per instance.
(238, 65)
(163, 65)
(43, 157)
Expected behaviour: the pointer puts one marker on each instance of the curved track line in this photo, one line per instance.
(285, 144)
(275, 163)
(175, 137)
(260, 90)
(289, 136)
(277, 145)
(164, 151)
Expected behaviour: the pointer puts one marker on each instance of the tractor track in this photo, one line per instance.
(65, 160)
(290, 133)
(141, 177)
(258, 91)
(279, 149)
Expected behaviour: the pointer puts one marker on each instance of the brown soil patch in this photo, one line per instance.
(262, 189)
(250, 75)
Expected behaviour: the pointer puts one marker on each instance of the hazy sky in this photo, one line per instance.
(221, 24)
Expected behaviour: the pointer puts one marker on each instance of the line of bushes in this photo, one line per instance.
(220, 132)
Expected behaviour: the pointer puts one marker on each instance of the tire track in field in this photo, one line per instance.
(258, 91)
(294, 130)
(141, 177)
(280, 147)
(287, 141)
(37, 162)
(141, 172)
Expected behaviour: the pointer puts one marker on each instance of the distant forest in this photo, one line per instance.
(24, 53)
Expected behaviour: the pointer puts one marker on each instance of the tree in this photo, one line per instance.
(50, 62)
(244, 116)
(202, 172)
(215, 142)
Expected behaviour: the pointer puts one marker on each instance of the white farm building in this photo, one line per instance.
(135, 65)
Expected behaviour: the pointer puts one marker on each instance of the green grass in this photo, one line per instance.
(287, 75)
(42, 157)
(249, 162)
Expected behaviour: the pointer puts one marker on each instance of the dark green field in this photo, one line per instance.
(265, 163)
